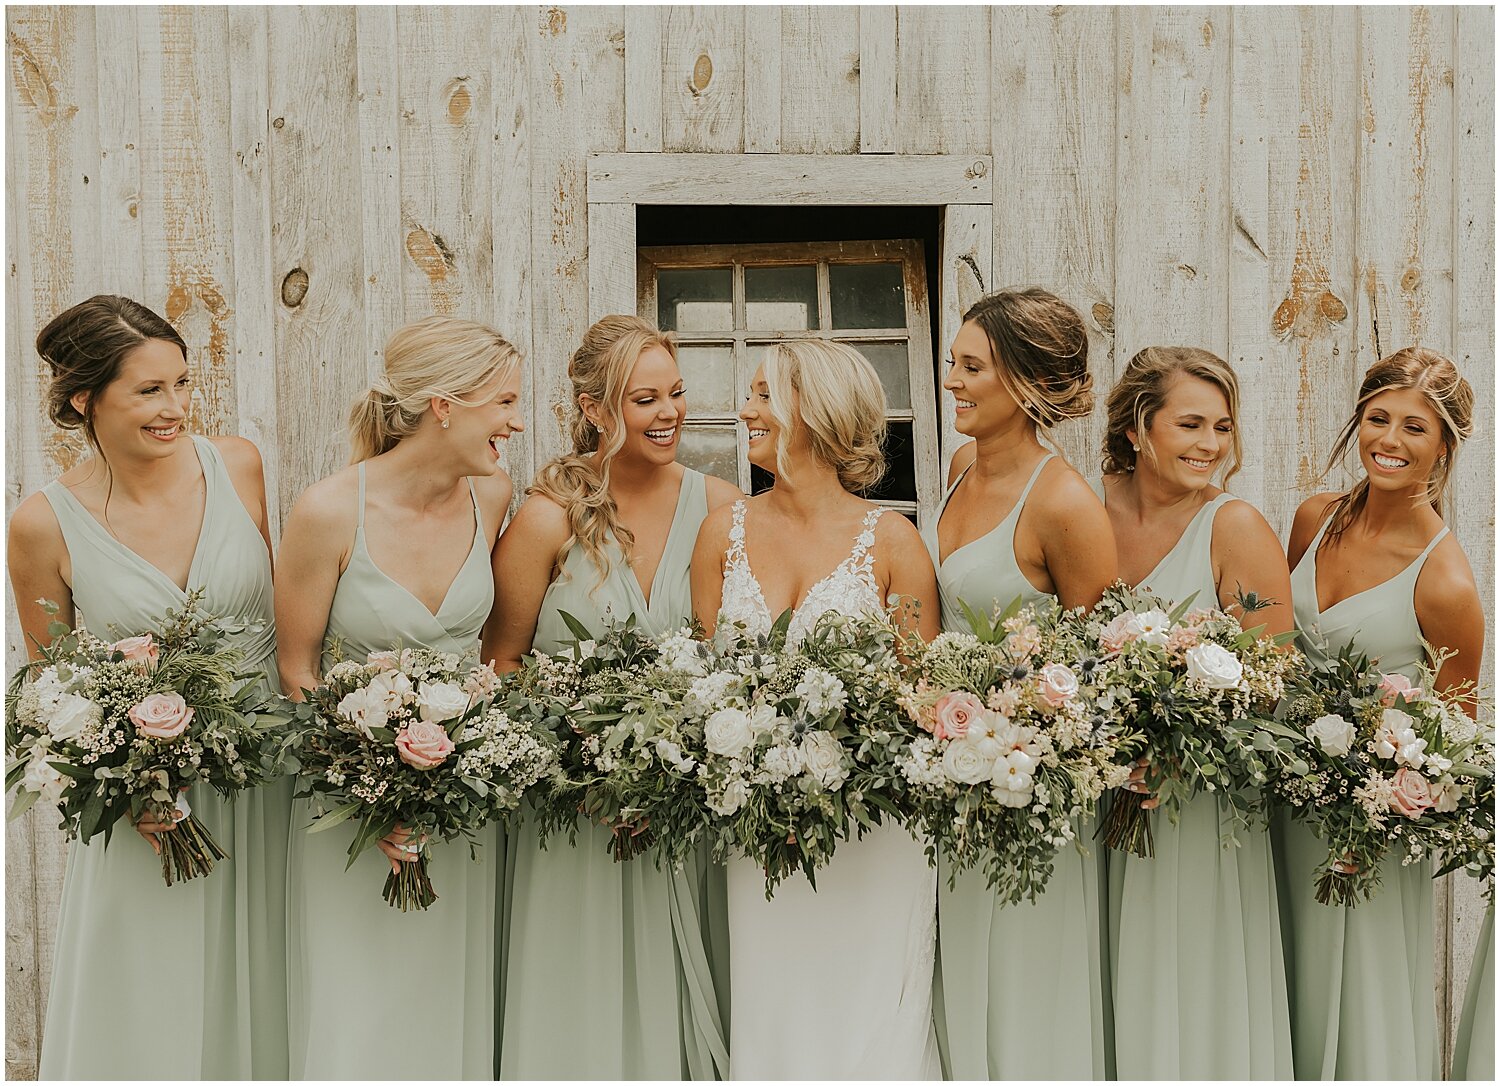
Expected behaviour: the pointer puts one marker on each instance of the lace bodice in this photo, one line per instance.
(850, 589)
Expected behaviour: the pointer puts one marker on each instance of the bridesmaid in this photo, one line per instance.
(116, 541)
(393, 551)
(1018, 521)
(1392, 576)
(1195, 937)
(612, 965)
(1474, 1047)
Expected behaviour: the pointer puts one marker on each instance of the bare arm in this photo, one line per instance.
(1305, 524)
(315, 547)
(1247, 558)
(522, 566)
(909, 576)
(962, 458)
(242, 460)
(1077, 541)
(708, 567)
(38, 567)
(1451, 617)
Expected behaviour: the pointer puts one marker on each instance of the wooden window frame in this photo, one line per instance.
(961, 186)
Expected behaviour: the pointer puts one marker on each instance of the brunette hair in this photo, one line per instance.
(1438, 380)
(1142, 390)
(840, 402)
(1041, 351)
(600, 368)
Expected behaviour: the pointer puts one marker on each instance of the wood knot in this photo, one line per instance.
(279, 123)
(1332, 307)
(1188, 271)
(1285, 317)
(978, 170)
(429, 253)
(459, 102)
(557, 21)
(703, 73)
(1104, 317)
(294, 288)
(1411, 280)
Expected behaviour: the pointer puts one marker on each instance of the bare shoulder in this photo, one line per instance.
(1447, 575)
(720, 492)
(715, 527)
(240, 455)
(541, 521)
(1305, 521)
(963, 457)
(34, 525)
(897, 535)
(1062, 494)
(1240, 516)
(494, 492)
(329, 504)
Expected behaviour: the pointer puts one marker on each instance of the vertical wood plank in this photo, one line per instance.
(121, 255)
(703, 79)
(965, 274)
(643, 68)
(1053, 113)
(578, 81)
(1172, 183)
(1292, 245)
(379, 180)
(877, 79)
(822, 79)
(611, 259)
(943, 80)
(763, 79)
(317, 273)
(250, 197)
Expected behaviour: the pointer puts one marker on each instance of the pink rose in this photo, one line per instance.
(137, 650)
(162, 716)
(423, 745)
(1119, 632)
(1056, 684)
(1398, 686)
(954, 712)
(1409, 793)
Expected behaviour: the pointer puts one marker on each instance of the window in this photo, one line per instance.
(727, 302)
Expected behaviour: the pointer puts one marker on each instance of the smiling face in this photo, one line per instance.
(477, 432)
(652, 410)
(756, 415)
(140, 413)
(983, 404)
(1400, 440)
(1188, 439)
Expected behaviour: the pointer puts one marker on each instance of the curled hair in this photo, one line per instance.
(84, 347)
(1438, 380)
(600, 368)
(839, 402)
(1041, 351)
(1142, 390)
(438, 356)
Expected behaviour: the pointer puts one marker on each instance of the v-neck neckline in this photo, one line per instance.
(937, 525)
(193, 563)
(448, 593)
(1161, 563)
(1402, 572)
(643, 595)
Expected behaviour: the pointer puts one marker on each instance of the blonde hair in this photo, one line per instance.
(840, 403)
(601, 369)
(1141, 392)
(1041, 351)
(1438, 380)
(436, 356)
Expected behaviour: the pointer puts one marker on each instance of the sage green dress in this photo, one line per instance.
(1020, 990)
(1360, 976)
(1474, 1047)
(212, 947)
(376, 993)
(1195, 933)
(615, 970)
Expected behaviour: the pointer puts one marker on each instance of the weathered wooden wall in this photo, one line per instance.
(1298, 189)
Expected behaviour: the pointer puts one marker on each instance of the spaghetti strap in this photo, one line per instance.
(1422, 558)
(1036, 473)
(360, 523)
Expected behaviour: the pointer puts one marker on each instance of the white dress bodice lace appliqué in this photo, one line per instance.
(850, 589)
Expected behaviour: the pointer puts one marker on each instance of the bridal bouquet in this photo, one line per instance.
(1015, 748)
(800, 744)
(414, 740)
(1391, 765)
(1201, 687)
(107, 730)
(614, 704)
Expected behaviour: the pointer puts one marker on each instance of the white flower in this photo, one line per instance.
(821, 692)
(763, 719)
(1214, 666)
(1445, 795)
(1333, 733)
(586, 649)
(1397, 739)
(1437, 765)
(706, 693)
(1154, 626)
(72, 715)
(48, 688)
(44, 780)
(679, 652)
(727, 732)
(781, 761)
(731, 799)
(391, 689)
(670, 753)
(365, 709)
(969, 760)
(824, 756)
(439, 701)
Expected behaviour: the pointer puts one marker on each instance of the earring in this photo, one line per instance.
(1135, 448)
(445, 424)
(598, 429)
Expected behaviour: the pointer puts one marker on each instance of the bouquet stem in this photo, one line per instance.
(188, 851)
(1127, 827)
(410, 888)
(627, 845)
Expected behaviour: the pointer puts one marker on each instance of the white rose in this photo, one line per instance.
(44, 780)
(72, 714)
(1445, 795)
(731, 799)
(1333, 733)
(1214, 666)
(391, 689)
(824, 756)
(1155, 626)
(364, 709)
(762, 719)
(439, 701)
(727, 732)
(969, 762)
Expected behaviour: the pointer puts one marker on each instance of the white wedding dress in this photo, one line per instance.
(837, 983)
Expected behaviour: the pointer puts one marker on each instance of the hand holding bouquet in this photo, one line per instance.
(123, 729)
(412, 744)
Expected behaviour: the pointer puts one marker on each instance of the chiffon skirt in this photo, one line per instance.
(1360, 976)
(1474, 1048)
(1199, 988)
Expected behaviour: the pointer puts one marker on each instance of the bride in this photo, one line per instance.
(835, 983)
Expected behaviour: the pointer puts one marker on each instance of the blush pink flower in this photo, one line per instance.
(1056, 684)
(161, 716)
(1410, 793)
(1398, 686)
(423, 745)
(953, 714)
(1119, 632)
(1181, 639)
(1025, 641)
(138, 650)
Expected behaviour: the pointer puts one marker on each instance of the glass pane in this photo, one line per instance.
(892, 362)
(784, 299)
(708, 376)
(900, 481)
(711, 450)
(694, 300)
(867, 295)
